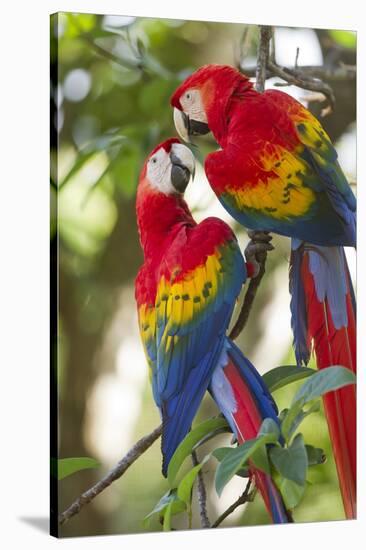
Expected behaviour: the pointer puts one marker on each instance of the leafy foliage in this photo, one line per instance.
(238, 457)
(209, 428)
(103, 139)
(278, 450)
(282, 376)
(64, 467)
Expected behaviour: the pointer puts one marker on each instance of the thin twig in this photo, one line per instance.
(306, 77)
(331, 73)
(296, 57)
(247, 496)
(202, 495)
(115, 473)
(294, 76)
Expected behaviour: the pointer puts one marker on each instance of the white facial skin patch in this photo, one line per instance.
(192, 105)
(159, 167)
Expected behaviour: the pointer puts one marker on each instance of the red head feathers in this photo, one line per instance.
(205, 98)
(159, 202)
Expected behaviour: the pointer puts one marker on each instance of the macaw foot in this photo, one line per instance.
(256, 250)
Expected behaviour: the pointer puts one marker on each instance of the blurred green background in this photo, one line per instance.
(112, 77)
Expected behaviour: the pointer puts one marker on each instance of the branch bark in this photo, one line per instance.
(133, 454)
(263, 57)
(342, 72)
(202, 495)
(295, 76)
(243, 499)
(249, 299)
(308, 78)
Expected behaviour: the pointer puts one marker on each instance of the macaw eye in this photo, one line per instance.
(188, 96)
(154, 160)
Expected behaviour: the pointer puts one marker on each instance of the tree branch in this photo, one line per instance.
(263, 57)
(342, 72)
(295, 76)
(202, 495)
(249, 299)
(243, 499)
(262, 63)
(133, 454)
(308, 78)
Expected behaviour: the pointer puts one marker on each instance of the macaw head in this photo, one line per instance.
(159, 202)
(169, 168)
(202, 100)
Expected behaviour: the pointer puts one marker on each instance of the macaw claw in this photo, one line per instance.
(259, 236)
(256, 250)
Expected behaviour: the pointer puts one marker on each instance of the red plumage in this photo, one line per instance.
(336, 347)
(277, 170)
(185, 292)
(248, 421)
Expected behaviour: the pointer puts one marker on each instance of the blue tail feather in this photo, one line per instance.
(298, 305)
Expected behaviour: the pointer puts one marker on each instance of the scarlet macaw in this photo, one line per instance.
(277, 171)
(185, 292)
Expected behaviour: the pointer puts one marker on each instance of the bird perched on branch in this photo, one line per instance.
(186, 290)
(277, 171)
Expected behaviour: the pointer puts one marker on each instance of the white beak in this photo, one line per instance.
(180, 125)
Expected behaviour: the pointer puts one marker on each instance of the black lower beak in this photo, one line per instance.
(180, 175)
(195, 127)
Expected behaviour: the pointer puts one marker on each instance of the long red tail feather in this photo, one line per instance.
(248, 420)
(334, 346)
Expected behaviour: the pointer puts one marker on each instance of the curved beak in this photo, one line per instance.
(183, 166)
(187, 126)
(181, 123)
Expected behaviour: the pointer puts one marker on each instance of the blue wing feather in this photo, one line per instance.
(189, 341)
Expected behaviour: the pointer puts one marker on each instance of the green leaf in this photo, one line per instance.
(300, 417)
(169, 499)
(236, 458)
(290, 419)
(282, 376)
(184, 490)
(291, 493)
(222, 452)
(269, 426)
(260, 460)
(167, 524)
(190, 441)
(64, 467)
(291, 463)
(324, 381)
(315, 455)
(224, 429)
(321, 382)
